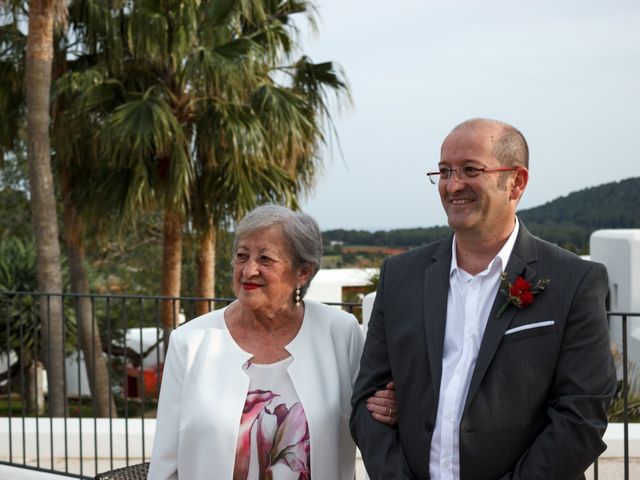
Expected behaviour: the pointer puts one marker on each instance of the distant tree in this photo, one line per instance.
(15, 213)
(20, 331)
(567, 221)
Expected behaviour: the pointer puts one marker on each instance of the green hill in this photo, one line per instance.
(570, 220)
(567, 221)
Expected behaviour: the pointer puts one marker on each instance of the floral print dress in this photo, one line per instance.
(273, 441)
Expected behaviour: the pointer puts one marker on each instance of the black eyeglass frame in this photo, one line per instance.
(465, 173)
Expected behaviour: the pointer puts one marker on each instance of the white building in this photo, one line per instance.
(330, 283)
(619, 251)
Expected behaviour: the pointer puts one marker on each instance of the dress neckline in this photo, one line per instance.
(250, 355)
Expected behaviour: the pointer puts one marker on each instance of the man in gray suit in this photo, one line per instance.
(496, 340)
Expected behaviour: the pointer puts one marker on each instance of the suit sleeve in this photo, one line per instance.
(580, 394)
(379, 443)
(164, 465)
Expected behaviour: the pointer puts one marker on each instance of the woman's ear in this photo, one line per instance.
(304, 274)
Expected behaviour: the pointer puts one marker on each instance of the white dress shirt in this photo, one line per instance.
(468, 306)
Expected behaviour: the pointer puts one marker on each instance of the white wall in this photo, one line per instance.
(619, 251)
(133, 439)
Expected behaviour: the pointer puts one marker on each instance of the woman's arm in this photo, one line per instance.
(381, 404)
(164, 458)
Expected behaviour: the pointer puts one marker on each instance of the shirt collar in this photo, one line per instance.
(500, 260)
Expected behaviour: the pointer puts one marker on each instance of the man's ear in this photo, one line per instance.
(519, 183)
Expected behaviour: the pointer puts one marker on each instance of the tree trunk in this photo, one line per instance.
(171, 272)
(34, 392)
(206, 269)
(43, 204)
(89, 333)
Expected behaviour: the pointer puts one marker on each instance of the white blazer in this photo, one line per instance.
(204, 389)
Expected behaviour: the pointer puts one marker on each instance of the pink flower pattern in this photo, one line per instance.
(282, 437)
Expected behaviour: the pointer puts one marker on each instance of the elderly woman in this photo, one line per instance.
(262, 388)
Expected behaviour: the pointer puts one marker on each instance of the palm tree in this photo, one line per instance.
(42, 16)
(89, 331)
(12, 39)
(187, 117)
(283, 122)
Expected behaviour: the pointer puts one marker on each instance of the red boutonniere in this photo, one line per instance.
(520, 293)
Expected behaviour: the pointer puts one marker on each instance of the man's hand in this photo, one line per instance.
(382, 405)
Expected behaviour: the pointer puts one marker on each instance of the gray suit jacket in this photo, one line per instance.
(536, 407)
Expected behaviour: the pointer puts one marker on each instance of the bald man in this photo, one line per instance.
(497, 341)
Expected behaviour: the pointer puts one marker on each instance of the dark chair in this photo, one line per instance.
(132, 472)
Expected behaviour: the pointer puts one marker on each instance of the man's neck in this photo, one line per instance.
(475, 251)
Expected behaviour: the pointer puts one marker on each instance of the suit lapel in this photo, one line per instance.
(436, 289)
(522, 256)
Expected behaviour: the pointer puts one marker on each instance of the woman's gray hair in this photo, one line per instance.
(300, 230)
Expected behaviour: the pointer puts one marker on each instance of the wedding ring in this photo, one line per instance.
(389, 412)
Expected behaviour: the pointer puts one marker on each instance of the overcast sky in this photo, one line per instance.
(565, 72)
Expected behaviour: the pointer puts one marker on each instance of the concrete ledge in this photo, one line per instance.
(127, 439)
(101, 438)
(614, 438)
(17, 473)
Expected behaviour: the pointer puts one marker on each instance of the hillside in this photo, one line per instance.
(570, 220)
(567, 221)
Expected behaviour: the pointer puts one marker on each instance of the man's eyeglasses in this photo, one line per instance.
(464, 173)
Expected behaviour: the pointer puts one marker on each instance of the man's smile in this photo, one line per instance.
(461, 201)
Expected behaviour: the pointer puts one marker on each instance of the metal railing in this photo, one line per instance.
(623, 317)
(131, 329)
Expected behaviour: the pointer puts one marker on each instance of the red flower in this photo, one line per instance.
(520, 294)
(522, 290)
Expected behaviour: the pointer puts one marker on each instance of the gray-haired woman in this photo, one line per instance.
(262, 388)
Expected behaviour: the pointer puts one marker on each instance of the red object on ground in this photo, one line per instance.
(147, 380)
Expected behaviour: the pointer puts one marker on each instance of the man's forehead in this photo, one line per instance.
(469, 144)
(478, 132)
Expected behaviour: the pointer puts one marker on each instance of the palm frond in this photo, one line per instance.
(144, 132)
(219, 71)
(102, 96)
(142, 127)
(96, 25)
(13, 43)
(317, 80)
(12, 106)
(147, 33)
(218, 12)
